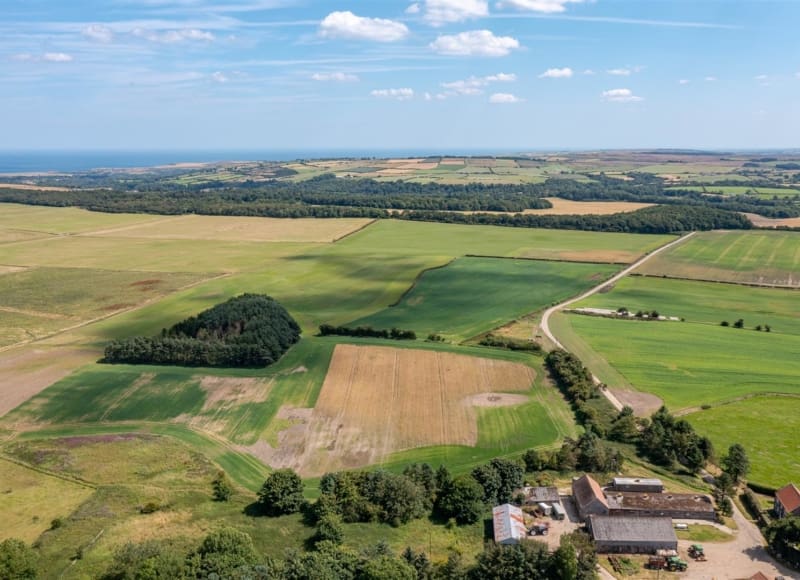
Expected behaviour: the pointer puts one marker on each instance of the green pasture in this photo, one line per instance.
(473, 295)
(759, 257)
(739, 190)
(766, 426)
(687, 364)
(704, 302)
(64, 220)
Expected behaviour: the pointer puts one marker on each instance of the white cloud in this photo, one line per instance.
(220, 77)
(621, 96)
(438, 12)
(398, 94)
(589, 72)
(557, 73)
(98, 33)
(710, 79)
(473, 85)
(546, 6)
(174, 36)
(57, 57)
(46, 57)
(761, 77)
(619, 72)
(684, 82)
(348, 25)
(338, 77)
(413, 9)
(504, 99)
(475, 43)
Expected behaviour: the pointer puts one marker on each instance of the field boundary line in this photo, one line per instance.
(594, 262)
(154, 221)
(544, 324)
(115, 313)
(747, 397)
(354, 232)
(43, 471)
(417, 278)
(709, 281)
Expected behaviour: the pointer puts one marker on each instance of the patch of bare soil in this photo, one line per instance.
(643, 404)
(227, 392)
(26, 371)
(495, 400)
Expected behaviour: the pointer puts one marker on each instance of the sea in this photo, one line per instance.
(41, 161)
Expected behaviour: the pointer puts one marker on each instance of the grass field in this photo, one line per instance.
(30, 500)
(67, 220)
(704, 302)
(766, 426)
(473, 295)
(244, 229)
(757, 257)
(688, 365)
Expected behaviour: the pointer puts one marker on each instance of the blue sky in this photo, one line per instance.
(396, 74)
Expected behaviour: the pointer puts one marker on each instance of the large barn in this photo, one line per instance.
(589, 497)
(632, 535)
(672, 505)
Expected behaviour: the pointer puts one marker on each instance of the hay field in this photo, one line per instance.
(30, 500)
(762, 222)
(452, 301)
(63, 220)
(568, 207)
(245, 229)
(755, 257)
(379, 400)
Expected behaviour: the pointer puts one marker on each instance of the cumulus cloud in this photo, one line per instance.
(557, 73)
(398, 94)
(621, 96)
(546, 6)
(438, 12)
(348, 25)
(684, 82)
(98, 33)
(338, 77)
(474, 85)
(174, 36)
(413, 9)
(475, 43)
(619, 72)
(57, 57)
(220, 77)
(504, 99)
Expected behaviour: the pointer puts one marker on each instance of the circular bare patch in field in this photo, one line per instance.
(496, 400)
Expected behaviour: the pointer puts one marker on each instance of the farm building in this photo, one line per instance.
(509, 524)
(632, 535)
(535, 495)
(787, 501)
(637, 484)
(670, 505)
(589, 497)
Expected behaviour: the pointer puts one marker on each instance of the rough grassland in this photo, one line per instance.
(378, 400)
(705, 302)
(245, 229)
(690, 364)
(63, 220)
(757, 257)
(30, 500)
(766, 426)
(473, 295)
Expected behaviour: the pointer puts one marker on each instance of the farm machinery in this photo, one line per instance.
(696, 552)
(670, 563)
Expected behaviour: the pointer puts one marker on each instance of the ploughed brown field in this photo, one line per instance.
(379, 400)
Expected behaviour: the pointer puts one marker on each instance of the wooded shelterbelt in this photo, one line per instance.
(247, 331)
(327, 196)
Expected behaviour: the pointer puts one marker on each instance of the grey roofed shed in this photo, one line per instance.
(632, 535)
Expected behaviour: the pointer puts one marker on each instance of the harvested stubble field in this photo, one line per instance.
(245, 229)
(756, 257)
(379, 400)
(762, 222)
(67, 220)
(453, 300)
(568, 207)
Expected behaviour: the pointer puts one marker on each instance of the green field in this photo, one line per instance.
(756, 257)
(688, 364)
(704, 302)
(67, 220)
(473, 295)
(771, 425)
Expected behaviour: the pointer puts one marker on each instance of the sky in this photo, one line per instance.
(504, 75)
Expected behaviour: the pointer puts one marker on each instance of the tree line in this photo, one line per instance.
(250, 330)
(367, 332)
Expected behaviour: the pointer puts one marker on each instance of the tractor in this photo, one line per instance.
(696, 552)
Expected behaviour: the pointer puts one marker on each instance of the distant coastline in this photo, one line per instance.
(73, 161)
